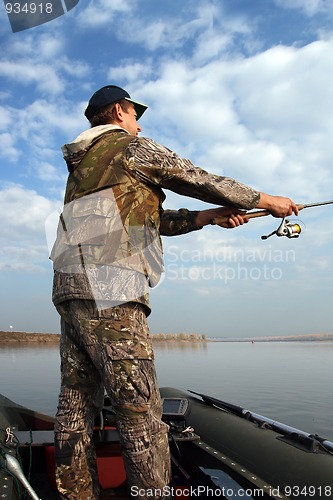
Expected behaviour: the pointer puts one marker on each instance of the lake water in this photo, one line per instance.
(290, 382)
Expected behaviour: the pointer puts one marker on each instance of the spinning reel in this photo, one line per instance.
(286, 228)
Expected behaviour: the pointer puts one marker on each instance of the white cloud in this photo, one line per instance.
(22, 238)
(205, 30)
(5, 117)
(102, 12)
(39, 61)
(219, 34)
(77, 69)
(29, 45)
(20, 259)
(63, 116)
(157, 32)
(34, 60)
(35, 128)
(131, 71)
(7, 147)
(309, 7)
(48, 172)
(23, 211)
(43, 76)
(285, 89)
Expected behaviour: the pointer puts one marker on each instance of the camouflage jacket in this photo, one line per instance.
(108, 246)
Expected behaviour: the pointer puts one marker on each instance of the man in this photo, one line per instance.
(107, 254)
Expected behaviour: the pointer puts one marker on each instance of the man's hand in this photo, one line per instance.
(232, 217)
(278, 206)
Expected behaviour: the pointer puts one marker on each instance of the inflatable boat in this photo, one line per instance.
(217, 450)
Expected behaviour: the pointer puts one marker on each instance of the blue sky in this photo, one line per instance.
(243, 88)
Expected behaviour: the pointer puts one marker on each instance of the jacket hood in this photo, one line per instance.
(75, 150)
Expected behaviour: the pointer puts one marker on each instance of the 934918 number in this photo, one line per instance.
(29, 8)
(308, 491)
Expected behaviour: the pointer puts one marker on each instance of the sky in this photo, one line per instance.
(243, 88)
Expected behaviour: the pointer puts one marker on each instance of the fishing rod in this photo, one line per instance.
(286, 228)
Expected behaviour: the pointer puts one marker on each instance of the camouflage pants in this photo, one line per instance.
(109, 348)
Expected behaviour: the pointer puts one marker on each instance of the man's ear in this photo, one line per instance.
(118, 112)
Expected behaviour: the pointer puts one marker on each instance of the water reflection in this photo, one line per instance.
(175, 345)
(26, 347)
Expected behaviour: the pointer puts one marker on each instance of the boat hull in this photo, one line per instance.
(280, 461)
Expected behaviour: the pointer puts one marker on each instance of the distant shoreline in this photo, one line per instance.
(25, 337)
(291, 338)
(13, 337)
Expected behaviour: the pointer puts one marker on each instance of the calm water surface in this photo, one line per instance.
(287, 381)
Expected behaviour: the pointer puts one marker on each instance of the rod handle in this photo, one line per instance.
(249, 215)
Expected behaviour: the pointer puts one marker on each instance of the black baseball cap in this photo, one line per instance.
(108, 95)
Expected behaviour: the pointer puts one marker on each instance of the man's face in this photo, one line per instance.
(129, 121)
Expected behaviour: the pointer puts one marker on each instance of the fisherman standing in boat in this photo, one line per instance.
(107, 253)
